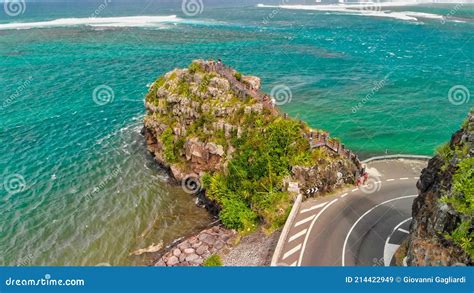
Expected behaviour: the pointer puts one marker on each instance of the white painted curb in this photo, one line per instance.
(399, 156)
(286, 230)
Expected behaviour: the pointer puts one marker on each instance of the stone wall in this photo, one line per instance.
(194, 250)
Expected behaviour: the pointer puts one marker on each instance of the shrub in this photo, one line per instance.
(213, 261)
(151, 95)
(444, 151)
(463, 236)
(195, 67)
(236, 214)
(462, 200)
(183, 88)
(462, 195)
(238, 76)
(167, 139)
(205, 83)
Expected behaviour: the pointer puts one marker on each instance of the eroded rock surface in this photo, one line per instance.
(437, 216)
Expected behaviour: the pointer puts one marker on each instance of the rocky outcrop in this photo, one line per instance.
(324, 177)
(442, 229)
(197, 113)
(223, 139)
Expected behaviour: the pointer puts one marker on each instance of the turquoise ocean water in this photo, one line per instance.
(78, 186)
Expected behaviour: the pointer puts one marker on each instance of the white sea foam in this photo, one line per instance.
(127, 21)
(364, 9)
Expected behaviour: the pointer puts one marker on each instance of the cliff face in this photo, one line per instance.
(215, 130)
(442, 230)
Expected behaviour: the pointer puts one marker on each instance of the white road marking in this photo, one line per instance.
(344, 195)
(416, 178)
(294, 264)
(360, 218)
(291, 251)
(403, 230)
(313, 207)
(404, 178)
(311, 228)
(297, 235)
(388, 253)
(388, 180)
(390, 248)
(355, 189)
(299, 223)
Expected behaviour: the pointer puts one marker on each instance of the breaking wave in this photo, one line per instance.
(128, 21)
(363, 10)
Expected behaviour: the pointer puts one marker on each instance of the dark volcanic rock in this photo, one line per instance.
(434, 220)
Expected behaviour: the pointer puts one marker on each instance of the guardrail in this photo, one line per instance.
(286, 230)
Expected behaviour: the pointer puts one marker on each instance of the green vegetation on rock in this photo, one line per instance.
(252, 187)
(213, 261)
(461, 195)
(462, 201)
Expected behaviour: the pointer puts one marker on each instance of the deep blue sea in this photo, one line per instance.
(77, 184)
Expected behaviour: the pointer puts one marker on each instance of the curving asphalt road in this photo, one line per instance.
(359, 227)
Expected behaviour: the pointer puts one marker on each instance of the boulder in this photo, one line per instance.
(172, 261)
(253, 81)
(192, 257)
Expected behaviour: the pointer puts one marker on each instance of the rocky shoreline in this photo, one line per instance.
(193, 251)
(255, 249)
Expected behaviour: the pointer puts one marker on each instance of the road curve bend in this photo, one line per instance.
(362, 226)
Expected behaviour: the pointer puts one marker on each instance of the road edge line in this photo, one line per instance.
(286, 230)
(311, 228)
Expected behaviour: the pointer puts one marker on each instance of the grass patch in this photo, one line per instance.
(213, 261)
